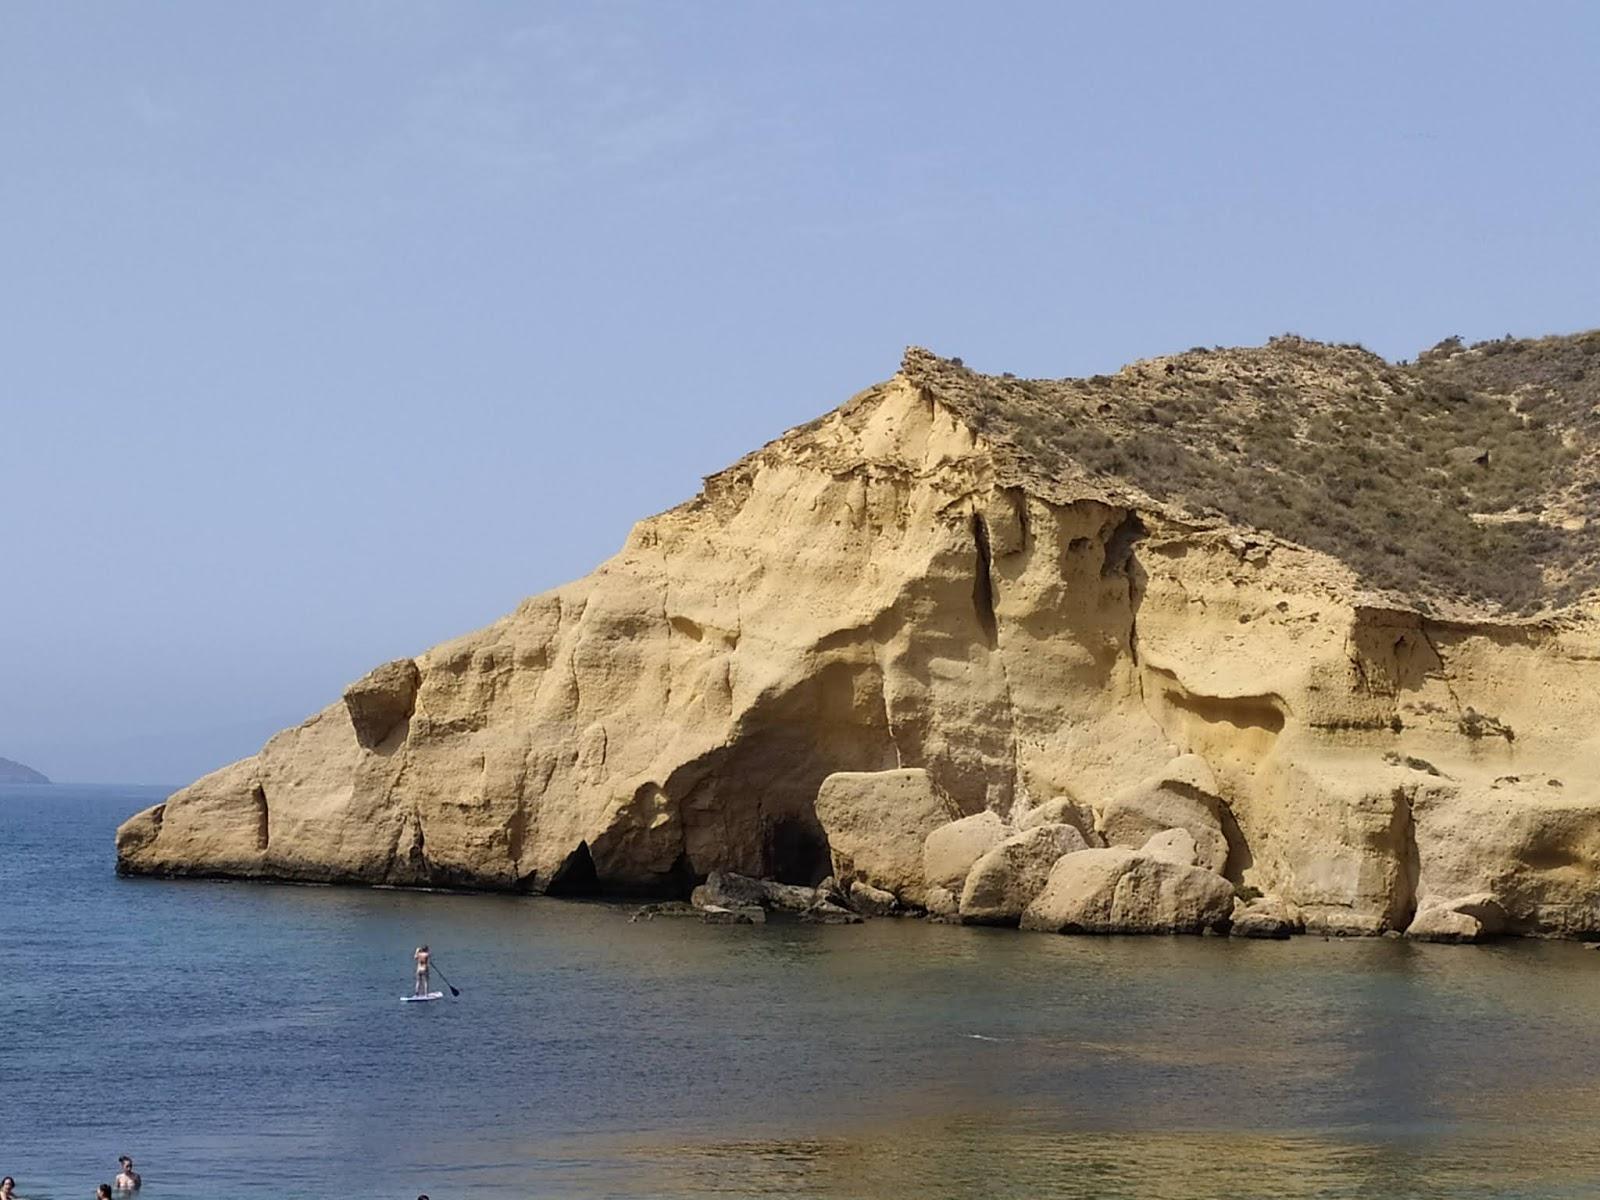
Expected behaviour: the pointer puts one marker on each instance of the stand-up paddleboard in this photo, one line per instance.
(420, 999)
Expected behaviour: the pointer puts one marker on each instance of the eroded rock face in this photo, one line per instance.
(891, 588)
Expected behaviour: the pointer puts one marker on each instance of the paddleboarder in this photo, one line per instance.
(421, 957)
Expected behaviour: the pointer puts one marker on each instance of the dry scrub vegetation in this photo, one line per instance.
(1471, 475)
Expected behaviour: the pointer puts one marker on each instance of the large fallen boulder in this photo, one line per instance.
(1004, 881)
(1119, 890)
(1475, 918)
(1182, 795)
(951, 849)
(876, 823)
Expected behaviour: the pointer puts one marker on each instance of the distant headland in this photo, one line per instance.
(15, 772)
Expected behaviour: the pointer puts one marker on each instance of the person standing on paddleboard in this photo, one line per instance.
(421, 957)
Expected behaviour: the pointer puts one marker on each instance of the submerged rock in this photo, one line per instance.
(665, 909)
(717, 914)
(830, 914)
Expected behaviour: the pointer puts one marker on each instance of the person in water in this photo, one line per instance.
(103, 1192)
(421, 957)
(127, 1179)
(7, 1188)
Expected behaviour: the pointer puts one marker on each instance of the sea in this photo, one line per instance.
(249, 1040)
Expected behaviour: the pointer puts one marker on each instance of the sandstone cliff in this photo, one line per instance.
(1037, 594)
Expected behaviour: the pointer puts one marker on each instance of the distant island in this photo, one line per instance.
(15, 772)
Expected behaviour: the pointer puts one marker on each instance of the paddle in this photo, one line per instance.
(454, 991)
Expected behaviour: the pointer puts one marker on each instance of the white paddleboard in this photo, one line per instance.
(420, 999)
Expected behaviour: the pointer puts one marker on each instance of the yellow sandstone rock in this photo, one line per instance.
(901, 587)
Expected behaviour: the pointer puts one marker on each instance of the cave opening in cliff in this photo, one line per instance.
(796, 851)
(576, 875)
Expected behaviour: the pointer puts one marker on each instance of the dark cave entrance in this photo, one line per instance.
(796, 851)
(576, 875)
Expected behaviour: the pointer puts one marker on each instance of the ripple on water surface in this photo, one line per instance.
(248, 1040)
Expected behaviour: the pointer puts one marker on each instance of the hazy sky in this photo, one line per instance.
(330, 331)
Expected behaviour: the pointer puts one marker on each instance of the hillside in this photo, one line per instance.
(1470, 477)
(15, 772)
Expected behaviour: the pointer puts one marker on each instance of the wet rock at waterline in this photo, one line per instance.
(1465, 919)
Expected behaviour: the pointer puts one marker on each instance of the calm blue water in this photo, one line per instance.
(248, 1040)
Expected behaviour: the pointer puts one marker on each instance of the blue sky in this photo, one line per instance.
(330, 331)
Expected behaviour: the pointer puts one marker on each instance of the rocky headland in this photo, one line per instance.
(1261, 640)
(14, 772)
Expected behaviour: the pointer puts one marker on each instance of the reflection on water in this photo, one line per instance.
(249, 1040)
(960, 1159)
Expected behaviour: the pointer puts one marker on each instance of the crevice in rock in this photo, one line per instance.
(1408, 874)
(263, 827)
(418, 858)
(517, 829)
(983, 584)
(576, 875)
(1444, 669)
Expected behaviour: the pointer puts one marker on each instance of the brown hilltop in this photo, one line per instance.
(1469, 477)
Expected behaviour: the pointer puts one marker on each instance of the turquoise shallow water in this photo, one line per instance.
(248, 1040)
